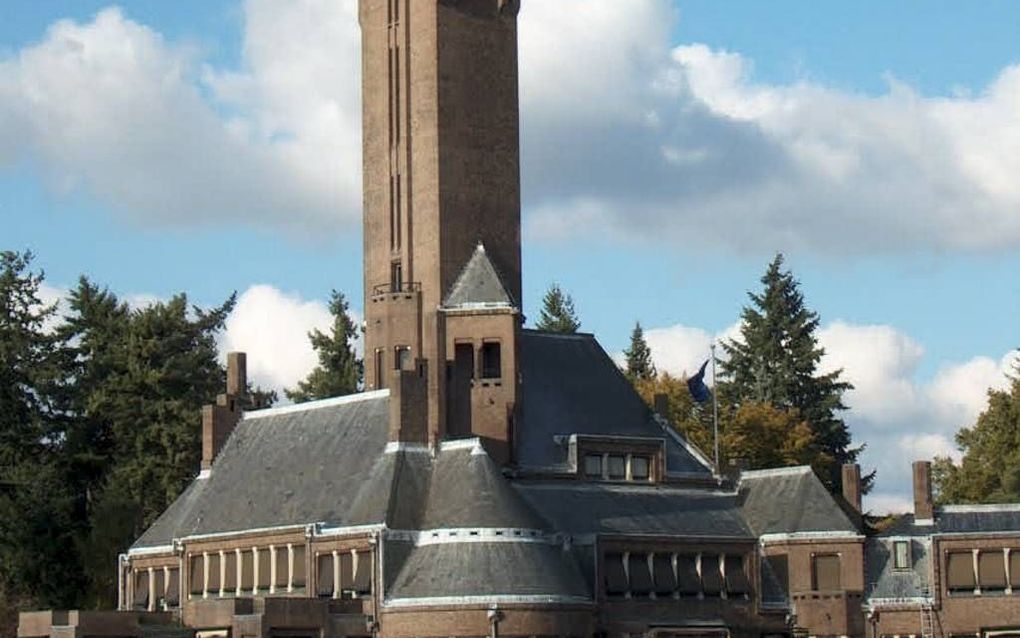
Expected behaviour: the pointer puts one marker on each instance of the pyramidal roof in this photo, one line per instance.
(478, 285)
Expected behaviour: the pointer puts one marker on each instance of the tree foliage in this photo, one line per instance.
(640, 366)
(340, 371)
(776, 361)
(989, 471)
(558, 313)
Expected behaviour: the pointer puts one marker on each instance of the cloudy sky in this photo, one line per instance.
(670, 148)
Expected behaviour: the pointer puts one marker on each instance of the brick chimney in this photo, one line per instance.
(661, 405)
(924, 508)
(852, 485)
(220, 419)
(409, 404)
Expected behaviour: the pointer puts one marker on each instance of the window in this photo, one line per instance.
(593, 465)
(264, 568)
(711, 576)
(173, 590)
(142, 589)
(825, 572)
(639, 468)
(230, 571)
(491, 361)
(402, 358)
(196, 575)
(616, 577)
(324, 587)
(380, 367)
(736, 577)
(640, 575)
(901, 554)
(617, 467)
(1014, 570)
(992, 570)
(214, 573)
(960, 572)
(299, 566)
(396, 277)
(247, 570)
(665, 581)
(688, 581)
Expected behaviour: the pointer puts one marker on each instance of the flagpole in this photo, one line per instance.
(715, 410)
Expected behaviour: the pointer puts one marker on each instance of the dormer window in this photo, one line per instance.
(901, 554)
(618, 459)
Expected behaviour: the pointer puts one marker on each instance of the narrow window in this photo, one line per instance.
(324, 582)
(491, 361)
(617, 467)
(825, 572)
(593, 465)
(1014, 570)
(992, 571)
(214, 574)
(639, 468)
(737, 582)
(247, 571)
(616, 577)
(901, 554)
(396, 274)
(402, 358)
(173, 590)
(380, 367)
(299, 566)
(665, 580)
(960, 572)
(196, 575)
(640, 575)
(142, 589)
(264, 569)
(711, 575)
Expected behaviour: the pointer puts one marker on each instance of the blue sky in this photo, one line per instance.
(871, 142)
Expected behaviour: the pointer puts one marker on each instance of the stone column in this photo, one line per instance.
(336, 574)
(290, 568)
(205, 574)
(240, 570)
(223, 573)
(255, 571)
(152, 590)
(272, 569)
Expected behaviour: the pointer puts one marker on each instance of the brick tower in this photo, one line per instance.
(442, 211)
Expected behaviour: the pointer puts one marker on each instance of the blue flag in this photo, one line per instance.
(696, 385)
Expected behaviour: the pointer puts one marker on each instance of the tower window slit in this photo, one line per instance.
(492, 365)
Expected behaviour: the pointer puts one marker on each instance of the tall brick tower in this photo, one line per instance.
(442, 209)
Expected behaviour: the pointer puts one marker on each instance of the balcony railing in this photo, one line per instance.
(396, 288)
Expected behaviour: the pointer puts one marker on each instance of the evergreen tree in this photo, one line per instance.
(990, 469)
(339, 371)
(38, 557)
(775, 361)
(639, 356)
(558, 314)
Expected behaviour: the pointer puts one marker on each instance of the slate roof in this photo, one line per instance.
(790, 500)
(886, 582)
(262, 476)
(478, 285)
(569, 385)
(481, 569)
(651, 510)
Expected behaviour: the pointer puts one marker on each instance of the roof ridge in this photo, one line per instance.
(316, 405)
(776, 471)
(975, 508)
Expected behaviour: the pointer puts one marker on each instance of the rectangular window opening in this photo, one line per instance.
(901, 554)
(380, 368)
(960, 572)
(825, 574)
(492, 365)
(617, 467)
(402, 358)
(593, 465)
(639, 468)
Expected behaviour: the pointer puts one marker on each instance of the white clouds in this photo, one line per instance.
(623, 130)
(680, 350)
(272, 328)
(765, 166)
(112, 109)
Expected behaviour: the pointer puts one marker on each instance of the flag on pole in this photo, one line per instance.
(697, 387)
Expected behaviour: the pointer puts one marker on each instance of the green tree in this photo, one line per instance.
(689, 418)
(990, 469)
(558, 313)
(340, 371)
(639, 356)
(776, 360)
(38, 510)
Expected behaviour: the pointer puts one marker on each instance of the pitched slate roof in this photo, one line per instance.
(649, 510)
(569, 385)
(886, 582)
(790, 500)
(478, 285)
(317, 462)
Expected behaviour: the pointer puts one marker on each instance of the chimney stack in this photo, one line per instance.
(924, 508)
(661, 405)
(220, 419)
(852, 485)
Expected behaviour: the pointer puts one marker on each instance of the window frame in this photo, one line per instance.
(897, 543)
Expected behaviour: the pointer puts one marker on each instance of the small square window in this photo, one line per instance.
(639, 468)
(617, 467)
(593, 465)
(901, 554)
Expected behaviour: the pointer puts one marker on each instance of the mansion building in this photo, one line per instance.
(499, 481)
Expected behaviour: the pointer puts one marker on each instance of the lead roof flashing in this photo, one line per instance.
(316, 405)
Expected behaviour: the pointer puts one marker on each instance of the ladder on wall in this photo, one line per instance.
(927, 614)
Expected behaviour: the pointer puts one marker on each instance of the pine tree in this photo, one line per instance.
(339, 371)
(776, 360)
(558, 314)
(990, 469)
(639, 356)
(38, 510)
